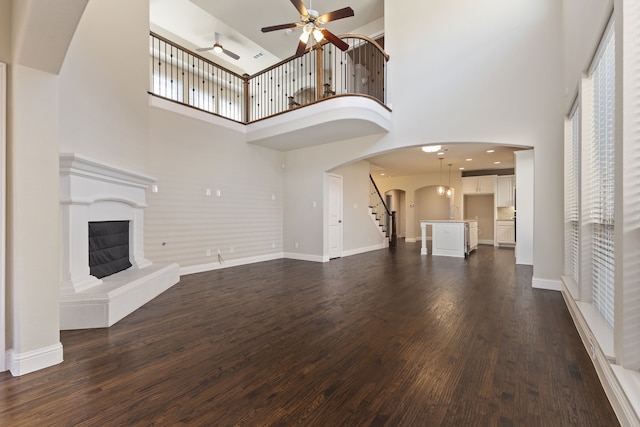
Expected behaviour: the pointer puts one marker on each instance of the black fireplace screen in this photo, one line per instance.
(108, 247)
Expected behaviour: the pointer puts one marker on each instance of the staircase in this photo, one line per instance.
(381, 215)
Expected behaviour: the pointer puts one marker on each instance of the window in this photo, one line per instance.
(600, 195)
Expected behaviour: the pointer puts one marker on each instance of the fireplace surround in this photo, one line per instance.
(92, 191)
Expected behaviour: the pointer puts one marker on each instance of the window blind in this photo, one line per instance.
(572, 178)
(601, 171)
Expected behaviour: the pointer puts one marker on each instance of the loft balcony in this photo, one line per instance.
(323, 96)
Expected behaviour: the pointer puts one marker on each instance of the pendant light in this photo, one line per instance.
(449, 188)
(441, 190)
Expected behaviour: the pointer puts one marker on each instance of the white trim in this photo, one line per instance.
(486, 242)
(548, 284)
(411, 239)
(608, 373)
(24, 363)
(351, 252)
(78, 165)
(200, 268)
(194, 113)
(306, 257)
(3, 210)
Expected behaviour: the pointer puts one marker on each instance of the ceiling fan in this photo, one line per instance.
(217, 48)
(311, 22)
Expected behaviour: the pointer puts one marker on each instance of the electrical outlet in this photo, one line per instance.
(207, 192)
(296, 245)
(207, 252)
(273, 245)
(219, 193)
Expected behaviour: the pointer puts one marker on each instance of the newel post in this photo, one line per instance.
(245, 84)
(394, 238)
(319, 71)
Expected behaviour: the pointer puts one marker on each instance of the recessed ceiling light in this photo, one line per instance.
(431, 148)
(461, 169)
(467, 160)
(381, 174)
(491, 151)
(441, 153)
(496, 163)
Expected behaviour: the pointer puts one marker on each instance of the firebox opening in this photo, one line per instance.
(108, 247)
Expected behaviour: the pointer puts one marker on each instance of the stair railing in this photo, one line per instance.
(380, 209)
(322, 72)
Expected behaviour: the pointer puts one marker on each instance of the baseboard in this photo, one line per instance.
(485, 242)
(548, 284)
(24, 363)
(363, 250)
(230, 263)
(305, 257)
(605, 370)
(410, 239)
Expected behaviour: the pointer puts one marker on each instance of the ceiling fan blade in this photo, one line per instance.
(342, 45)
(231, 54)
(301, 7)
(204, 49)
(337, 14)
(279, 27)
(302, 46)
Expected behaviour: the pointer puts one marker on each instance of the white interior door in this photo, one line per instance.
(335, 216)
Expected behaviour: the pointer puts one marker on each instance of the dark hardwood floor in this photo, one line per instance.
(384, 338)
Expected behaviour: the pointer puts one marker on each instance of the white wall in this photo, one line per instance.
(33, 221)
(304, 186)
(103, 85)
(358, 231)
(584, 22)
(489, 72)
(189, 156)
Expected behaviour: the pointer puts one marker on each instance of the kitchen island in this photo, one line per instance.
(455, 238)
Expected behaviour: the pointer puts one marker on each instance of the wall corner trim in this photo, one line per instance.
(24, 363)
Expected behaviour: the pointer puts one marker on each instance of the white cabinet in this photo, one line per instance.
(473, 236)
(479, 184)
(505, 233)
(504, 191)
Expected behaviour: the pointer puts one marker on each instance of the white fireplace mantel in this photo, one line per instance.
(95, 191)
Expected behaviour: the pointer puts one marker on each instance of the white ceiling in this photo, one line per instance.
(239, 21)
(193, 24)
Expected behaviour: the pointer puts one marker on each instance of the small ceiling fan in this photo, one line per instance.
(311, 22)
(217, 48)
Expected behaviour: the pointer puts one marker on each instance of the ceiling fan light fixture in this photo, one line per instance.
(317, 34)
(217, 48)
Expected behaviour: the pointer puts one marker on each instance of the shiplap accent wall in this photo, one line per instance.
(195, 161)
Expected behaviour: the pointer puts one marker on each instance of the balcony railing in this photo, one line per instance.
(322, 72)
